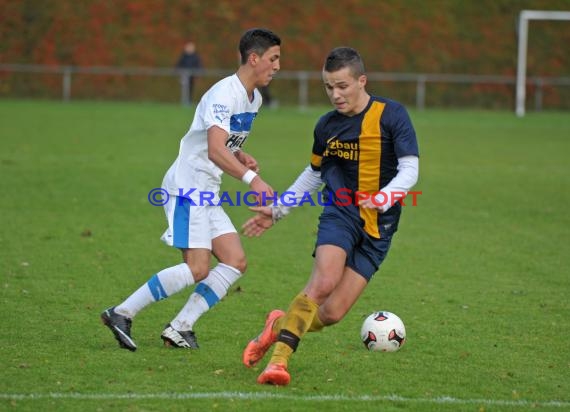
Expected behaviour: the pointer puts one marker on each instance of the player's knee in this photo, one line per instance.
(330, 317)
(236, 262)
(199, 270)
(323, 288)
(240, 264)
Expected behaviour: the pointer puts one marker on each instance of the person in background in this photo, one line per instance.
(266, 94)
(189, 60)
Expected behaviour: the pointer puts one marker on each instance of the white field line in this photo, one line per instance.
(273, 396)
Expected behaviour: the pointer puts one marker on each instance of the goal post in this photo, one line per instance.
(524, 17)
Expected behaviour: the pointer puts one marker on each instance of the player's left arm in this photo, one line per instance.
(399, 186)
(247, 160)
(406, 149)
(223, 157)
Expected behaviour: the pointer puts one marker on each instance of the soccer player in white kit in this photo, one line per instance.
(199, 228)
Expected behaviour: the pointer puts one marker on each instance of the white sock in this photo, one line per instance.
(207, 293)
(165, 283)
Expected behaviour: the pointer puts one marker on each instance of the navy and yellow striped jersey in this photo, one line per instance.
(360, 154)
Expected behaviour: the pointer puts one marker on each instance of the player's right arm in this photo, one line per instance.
(256, 225)
(307, 182)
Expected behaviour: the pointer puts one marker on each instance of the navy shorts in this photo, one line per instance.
(364, 252)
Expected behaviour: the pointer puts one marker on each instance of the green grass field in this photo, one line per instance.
(478, 270)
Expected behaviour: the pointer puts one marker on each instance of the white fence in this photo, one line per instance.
(302, 78)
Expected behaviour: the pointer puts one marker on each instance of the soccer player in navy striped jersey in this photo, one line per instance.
(366, 154)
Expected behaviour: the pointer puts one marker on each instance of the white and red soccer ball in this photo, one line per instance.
(383, 331)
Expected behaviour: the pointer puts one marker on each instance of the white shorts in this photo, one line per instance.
(193, 227)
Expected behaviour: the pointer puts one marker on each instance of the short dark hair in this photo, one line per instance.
(257, 41)
(341, 57)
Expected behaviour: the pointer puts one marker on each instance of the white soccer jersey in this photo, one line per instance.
(226, 105)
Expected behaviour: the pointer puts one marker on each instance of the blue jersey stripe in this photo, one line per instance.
(241, 122)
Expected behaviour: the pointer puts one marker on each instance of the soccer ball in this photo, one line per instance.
(383, 331)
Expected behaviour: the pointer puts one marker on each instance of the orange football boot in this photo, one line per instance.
(256, 348)
(275, 374)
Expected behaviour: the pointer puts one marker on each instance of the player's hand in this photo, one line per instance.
(259, 186)
(258, 224)
(248, 161)
(369, 204)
